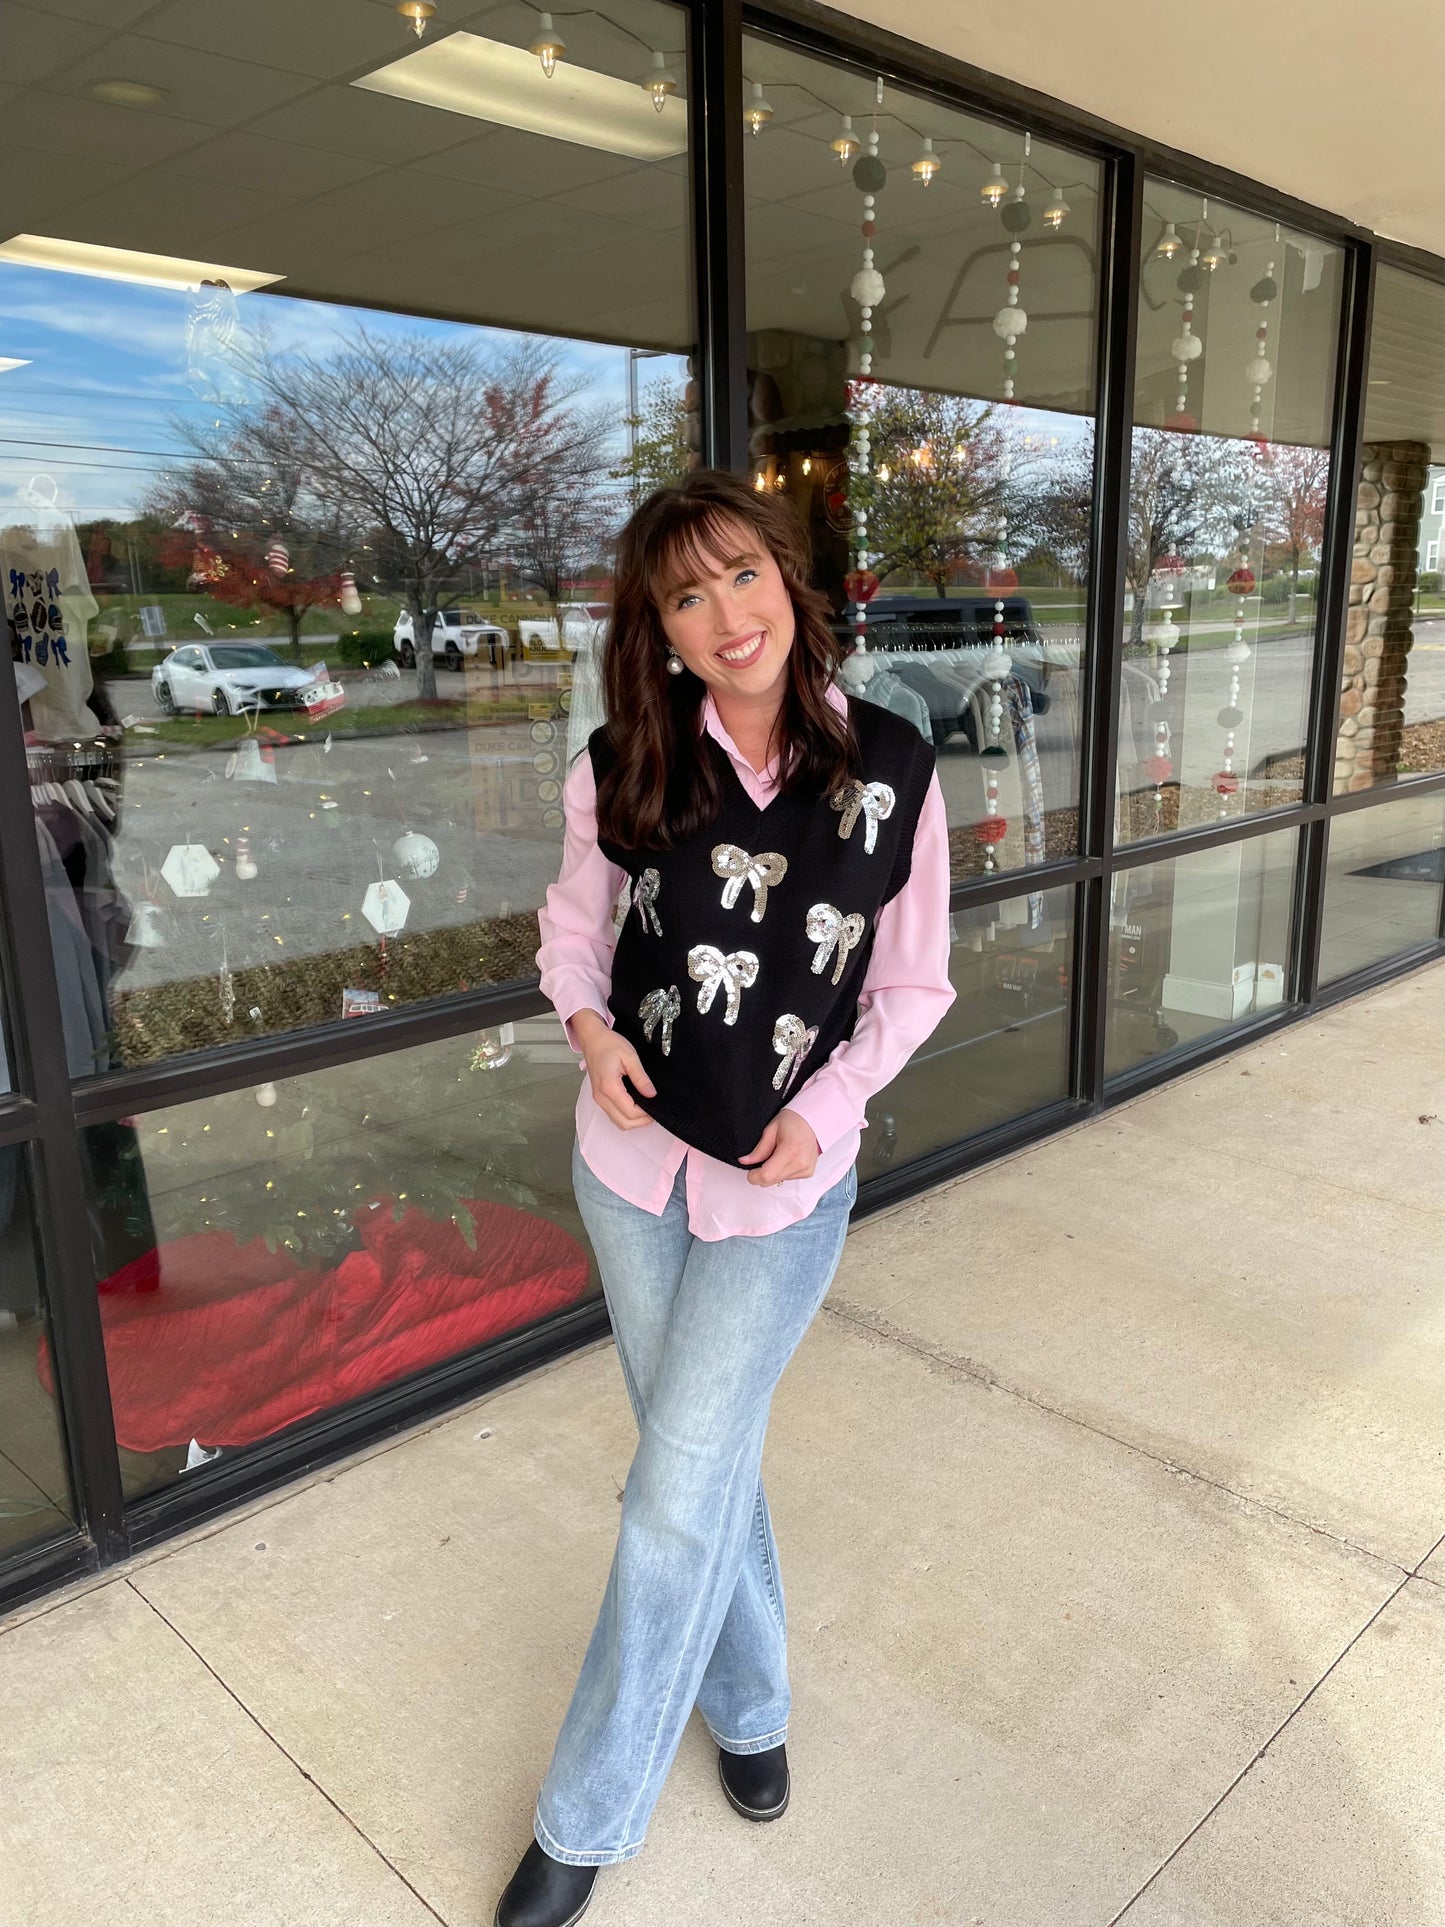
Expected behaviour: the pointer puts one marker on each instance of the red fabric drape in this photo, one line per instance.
(223, 1343)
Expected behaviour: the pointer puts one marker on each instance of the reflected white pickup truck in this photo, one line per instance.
(457, 634)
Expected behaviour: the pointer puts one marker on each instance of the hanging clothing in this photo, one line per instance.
(49, 603)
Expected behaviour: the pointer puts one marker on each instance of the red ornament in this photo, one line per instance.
(1241, 582)
(1159, 769)
(1226, 782)
(1169, 565)
(993, 829)
(869, 230)
(1001, 579)
(860, 585)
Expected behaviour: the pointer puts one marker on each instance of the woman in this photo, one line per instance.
(749, 938)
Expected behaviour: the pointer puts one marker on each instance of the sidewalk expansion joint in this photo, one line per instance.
(876, 1326)
(270, 1737)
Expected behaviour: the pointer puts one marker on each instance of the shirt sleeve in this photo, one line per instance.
(575, 957)
(905, 994)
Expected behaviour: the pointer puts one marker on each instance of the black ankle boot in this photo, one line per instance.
(544, 1892)
(757, 1784)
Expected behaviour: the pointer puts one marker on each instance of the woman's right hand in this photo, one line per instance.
(609, 1058)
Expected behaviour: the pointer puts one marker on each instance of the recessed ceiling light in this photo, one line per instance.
(125, 264)
(7, 362)
(126, 93)
(468, 74)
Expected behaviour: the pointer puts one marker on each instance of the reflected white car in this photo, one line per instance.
(234, 678)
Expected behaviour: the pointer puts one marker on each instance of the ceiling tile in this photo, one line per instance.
(324, 39)
(344, 120)
(109, 137)
(164, 214)
(38, 41)
(198, 85)
(507, 157)
(283, 167)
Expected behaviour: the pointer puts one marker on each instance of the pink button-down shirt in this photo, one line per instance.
(906, 991)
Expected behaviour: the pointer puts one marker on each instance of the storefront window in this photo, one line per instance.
(271, 1253)
(922, 293)
(1197, 943)
(319, 431)
(1238, 326)
(1383, 879)
(1392, 700)
(34, 1489)
(1003, 1048)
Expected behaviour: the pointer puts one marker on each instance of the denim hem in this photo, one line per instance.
(751, 1746)
(602, 1857)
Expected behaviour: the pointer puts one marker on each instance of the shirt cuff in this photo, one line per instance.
(829, 1116)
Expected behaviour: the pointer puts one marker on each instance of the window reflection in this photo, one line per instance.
(921, 301)
(1196, 944)
(307, 570)
(1003, 1048)
(1383, 880)
(1229, 478)
(34, 1488)
(273, 1252)
(1392, 699)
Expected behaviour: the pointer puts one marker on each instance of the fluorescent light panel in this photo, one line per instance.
(468, 74)
(124, 264)
(7, 362)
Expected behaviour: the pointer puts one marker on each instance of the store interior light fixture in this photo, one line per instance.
(7, 362)
(126, 264)
(489, 80)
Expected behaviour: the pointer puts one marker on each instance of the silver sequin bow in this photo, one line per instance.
(736, 972)
(792, 1039)
(831, 930)
(644, 899)
(660, 1007)
(872, 801)
(762, 872)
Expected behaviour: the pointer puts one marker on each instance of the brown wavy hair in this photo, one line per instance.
(664, 783)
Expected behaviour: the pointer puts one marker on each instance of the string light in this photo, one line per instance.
(846, 146)
(659, 83)
(1057, 211)
(994, 188)
(1169, 243)
(927, 164)
(758, 111)
(549, 46)
(418, 12)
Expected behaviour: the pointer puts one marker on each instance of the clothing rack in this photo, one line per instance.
(80, 776)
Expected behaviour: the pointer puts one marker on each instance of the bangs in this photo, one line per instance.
(702, 533)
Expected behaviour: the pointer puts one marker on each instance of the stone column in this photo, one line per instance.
(1378, 631)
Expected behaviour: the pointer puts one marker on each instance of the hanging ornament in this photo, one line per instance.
(1159, 768)
(278, 557)
(190, 869)
(1011, 320)
(1258, 370)
(266, 1096)
(493, 1048)
(549, 46)
(1167, 598)
(994, 828)
(1186, 347)
(1237, 652)
(226, 987)
(350, 599)
(146, 929)
(245, 862)
(860, 585)
(416, 855)
(385, 907)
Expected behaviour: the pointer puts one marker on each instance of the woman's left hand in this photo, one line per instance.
(787, 1149)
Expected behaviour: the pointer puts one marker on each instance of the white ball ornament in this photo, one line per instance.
(997, 664)
(867, 287)
(416, 855)
(1237, 652)
(266, 1096)
(1010, 323)
(1187, 348)
(1258, 371)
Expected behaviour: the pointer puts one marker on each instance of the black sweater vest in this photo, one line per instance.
(743, 951)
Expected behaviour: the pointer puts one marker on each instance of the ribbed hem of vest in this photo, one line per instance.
(711, 1145)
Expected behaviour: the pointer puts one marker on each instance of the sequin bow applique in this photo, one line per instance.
(660, 1007)
(736, 972)
(762, 872)
(644, 900)
(872, 801)
(792, 1039)
(831, 930)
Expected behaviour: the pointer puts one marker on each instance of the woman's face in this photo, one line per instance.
(732, 621)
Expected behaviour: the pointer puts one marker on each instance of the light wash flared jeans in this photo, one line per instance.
(693, 1610)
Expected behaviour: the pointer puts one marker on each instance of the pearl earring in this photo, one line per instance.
(675, 664)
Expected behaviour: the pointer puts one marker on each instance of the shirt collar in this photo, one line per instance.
(713, 725)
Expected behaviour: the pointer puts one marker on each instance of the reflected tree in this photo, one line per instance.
(936, 489)
(1291, 488)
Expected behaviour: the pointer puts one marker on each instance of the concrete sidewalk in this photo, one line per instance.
(1109, 1486)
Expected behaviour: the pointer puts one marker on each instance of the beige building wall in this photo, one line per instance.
(1337, 104)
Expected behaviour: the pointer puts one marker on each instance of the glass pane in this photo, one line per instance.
(1238, 325)
(1003, 1048)
(271, 1253)
(399, 347)
(1392, 703)
(1197, 943)
(922, 297)
(1383, 879)
(34, 1484)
